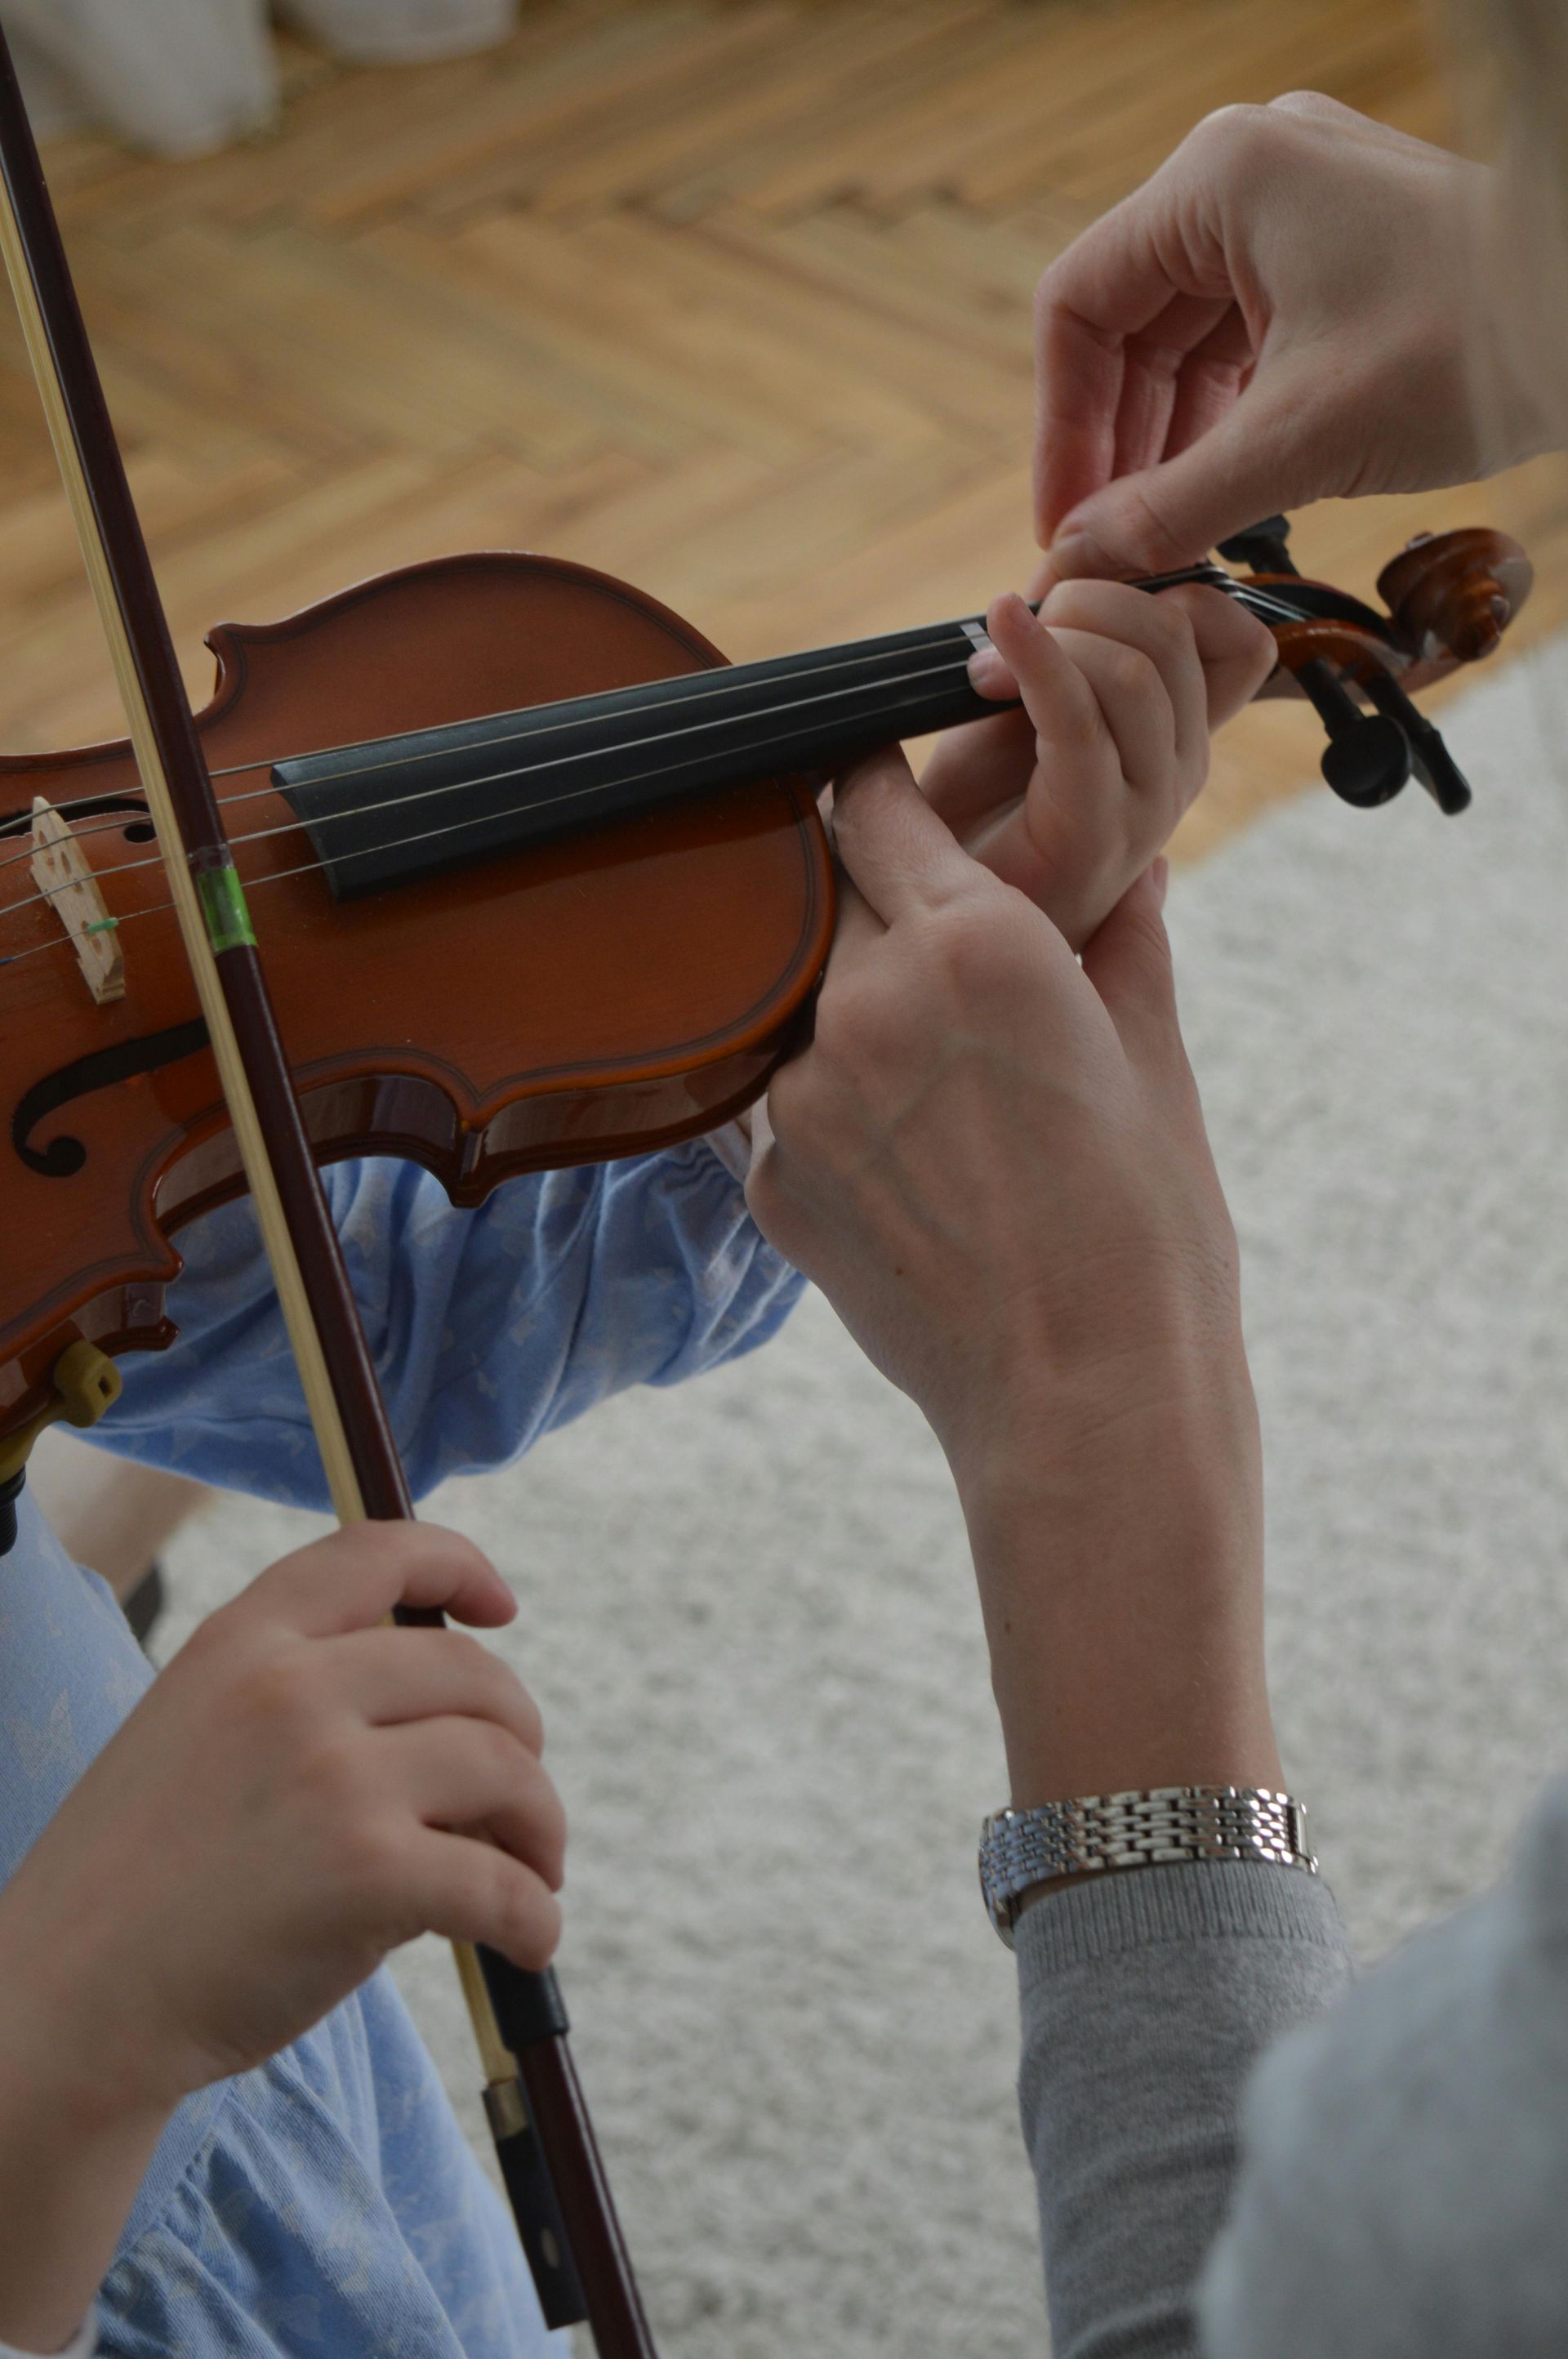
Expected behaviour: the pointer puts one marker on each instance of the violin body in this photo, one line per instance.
(608, 991)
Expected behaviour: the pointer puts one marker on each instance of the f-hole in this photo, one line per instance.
(63, 1156)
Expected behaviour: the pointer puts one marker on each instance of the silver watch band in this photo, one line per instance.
(1022, 1849)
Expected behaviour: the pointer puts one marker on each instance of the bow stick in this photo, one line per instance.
(545, 2141)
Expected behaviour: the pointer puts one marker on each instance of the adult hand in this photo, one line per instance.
(1071, 792)
(993, 1162)
(1283, 314)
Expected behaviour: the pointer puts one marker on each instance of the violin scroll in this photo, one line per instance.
(1450, 596)
(1454, 594)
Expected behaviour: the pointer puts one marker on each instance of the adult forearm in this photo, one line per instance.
(1119, 1552)
(1119, 1558)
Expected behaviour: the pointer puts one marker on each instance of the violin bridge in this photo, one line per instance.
(61, 873)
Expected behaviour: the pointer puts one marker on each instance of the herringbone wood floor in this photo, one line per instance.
(733, 300)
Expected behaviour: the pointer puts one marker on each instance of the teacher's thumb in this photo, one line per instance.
(1266, 454)
(1128, 964)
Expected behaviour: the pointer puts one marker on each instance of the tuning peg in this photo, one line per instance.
(1367, 757)
(1261, 548)
(1435, 765)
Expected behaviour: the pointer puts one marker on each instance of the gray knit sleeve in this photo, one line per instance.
(1404, 2181)
(1146, 1998)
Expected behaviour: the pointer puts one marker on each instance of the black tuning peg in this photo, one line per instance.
(1261, 548)
(1435, 765)
(1367, 758)
(1369, 755)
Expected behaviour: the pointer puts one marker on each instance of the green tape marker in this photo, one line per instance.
(224, 906)
(104, 926)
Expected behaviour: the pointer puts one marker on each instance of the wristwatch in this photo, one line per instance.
(1057, 1842)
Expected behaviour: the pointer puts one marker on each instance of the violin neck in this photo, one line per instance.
(403, 808)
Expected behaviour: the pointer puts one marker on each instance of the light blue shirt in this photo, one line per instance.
(327, 2203)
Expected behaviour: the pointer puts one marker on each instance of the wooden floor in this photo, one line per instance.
(733, 300)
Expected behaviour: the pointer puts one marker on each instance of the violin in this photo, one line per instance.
(540, 880)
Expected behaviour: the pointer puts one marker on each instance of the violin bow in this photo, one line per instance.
(543, 2137)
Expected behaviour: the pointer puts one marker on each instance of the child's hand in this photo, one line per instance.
(1071, 796)
(300, 1791)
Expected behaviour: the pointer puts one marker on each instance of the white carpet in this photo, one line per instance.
(747, 1608)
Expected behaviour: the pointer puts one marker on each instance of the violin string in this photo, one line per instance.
(1241, 590)
(423, 835)
(311, 867)
(304, 868)
(63, 942)
(1210, 574)
(1213, 576)
(721, 681)
(719, 684)
(533, 769)
(110, 821)
(1257, 600)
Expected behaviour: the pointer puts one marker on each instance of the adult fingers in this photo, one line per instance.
(477, 1778)
(1113, 284)
(1120, 314)
(855, 923)
(1159, 364)
(1211, 380)
(1184, 370)
(404, 1675)
(1197, 367)
(353, 1578)
(1282, 445)
(895, 851)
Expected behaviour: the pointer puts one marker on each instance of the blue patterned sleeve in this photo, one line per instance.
(487, 1327)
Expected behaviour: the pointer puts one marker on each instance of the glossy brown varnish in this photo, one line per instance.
(624, 987)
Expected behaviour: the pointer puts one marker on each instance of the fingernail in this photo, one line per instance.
(1160, 872)
(1074, 553)
(989, 673)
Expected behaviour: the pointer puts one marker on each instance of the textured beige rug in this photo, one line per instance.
(747, 1607)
